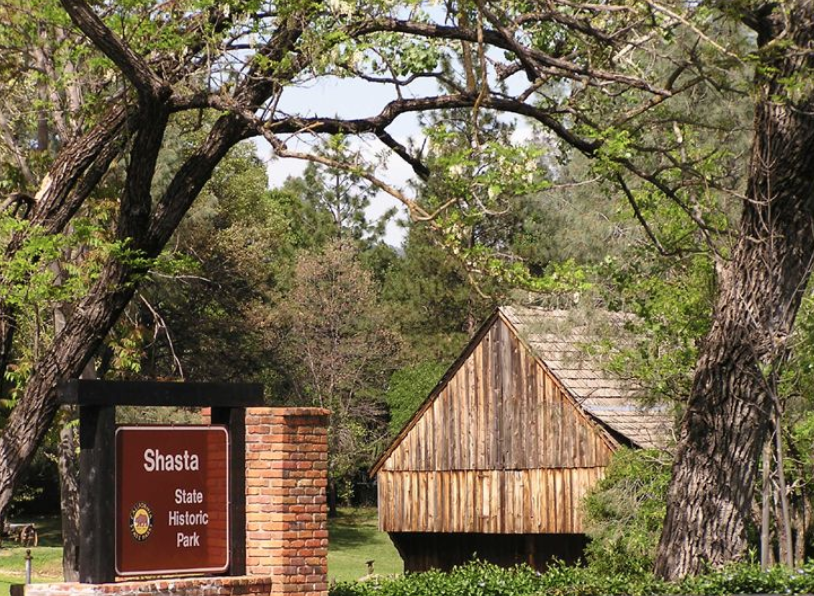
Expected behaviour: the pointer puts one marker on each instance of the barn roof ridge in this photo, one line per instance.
(611, 402)
(562, 341)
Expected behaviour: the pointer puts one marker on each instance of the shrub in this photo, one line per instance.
(473, 579)
(625, 512)
(484, 579)
(408, 388)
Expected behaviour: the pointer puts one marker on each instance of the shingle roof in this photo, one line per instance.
(562, 340)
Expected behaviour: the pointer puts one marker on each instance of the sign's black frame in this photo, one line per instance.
(97, 401)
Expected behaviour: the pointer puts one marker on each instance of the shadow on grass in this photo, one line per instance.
(352, 528)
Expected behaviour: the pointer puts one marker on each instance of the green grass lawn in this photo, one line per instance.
(354, 540)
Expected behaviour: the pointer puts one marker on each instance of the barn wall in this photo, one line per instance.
(500, 411)
(501, 450)
(540, 501)
(422, 552)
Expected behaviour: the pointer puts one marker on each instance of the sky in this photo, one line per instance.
(349, 98)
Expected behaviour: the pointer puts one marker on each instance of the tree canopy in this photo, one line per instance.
(91, 93)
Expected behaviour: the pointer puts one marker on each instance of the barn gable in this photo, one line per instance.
(499, 447)
(498, 409)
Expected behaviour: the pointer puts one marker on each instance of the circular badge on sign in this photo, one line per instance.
(141, 521)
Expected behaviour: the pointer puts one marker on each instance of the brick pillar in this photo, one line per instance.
(286, 502)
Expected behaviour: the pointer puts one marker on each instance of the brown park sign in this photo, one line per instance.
(172, 505)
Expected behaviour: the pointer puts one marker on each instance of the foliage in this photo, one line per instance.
(477, 195)
(333, 334)
(208, 319)
(39, 490)
(484, 579)
(799, 375)
(330, 202)
(671, 297)
(407, 389)
(434, 302)
(40, 277)
(474, 579)
(571, 220)
(625, 511)
(796, 425)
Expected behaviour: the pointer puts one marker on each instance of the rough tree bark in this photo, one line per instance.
(69, 500)
(730, 408)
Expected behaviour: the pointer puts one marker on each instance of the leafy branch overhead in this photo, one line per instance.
(90, 92)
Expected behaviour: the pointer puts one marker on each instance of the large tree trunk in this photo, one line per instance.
(69, 500)
(731, 403)
(84, 331)
(95, 315)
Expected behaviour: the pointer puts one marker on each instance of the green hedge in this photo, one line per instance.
(483, 579)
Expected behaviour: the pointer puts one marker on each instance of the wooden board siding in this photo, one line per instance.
(500, 411)
(534, 501)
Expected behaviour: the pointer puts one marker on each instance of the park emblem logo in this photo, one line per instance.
(141, 521)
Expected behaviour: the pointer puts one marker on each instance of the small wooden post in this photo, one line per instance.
(531, 551)
(97, 465)
(235, 421)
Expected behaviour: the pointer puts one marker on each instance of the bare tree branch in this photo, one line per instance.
(641, 219)
(161, 325)
(419, 168)
(16, 150)
(136, 69)
(21, 202)
(417, 213)
(564, 68)
(686, 22)
(509, 40)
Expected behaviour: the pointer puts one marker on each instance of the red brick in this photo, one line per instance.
(286, 500)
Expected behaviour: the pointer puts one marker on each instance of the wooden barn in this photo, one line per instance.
(497, 459)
